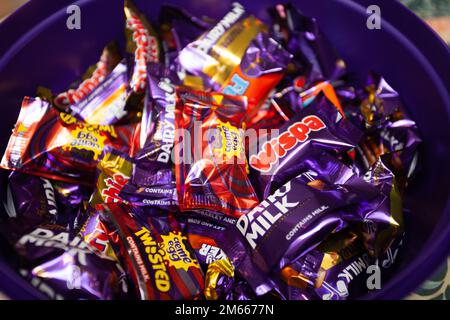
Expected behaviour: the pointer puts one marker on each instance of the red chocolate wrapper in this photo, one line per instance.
(142, 42)
(91, 80)
(211, 173)
(56, 145)
(158, 256)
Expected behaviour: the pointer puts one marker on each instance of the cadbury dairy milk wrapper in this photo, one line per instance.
(390, 134)
(157, 255)
(178, 28)
(153, 180)
(332, 271)
(318, 127)
(31, 200)
(211, 166)
(237, 57)
(324, 198)
(63, 266)
(56, 145)
(338, 269)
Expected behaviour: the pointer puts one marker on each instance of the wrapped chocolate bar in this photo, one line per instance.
(315, 58)
(157, 255)
(389, 133)
(56, 145)
(335, 270)
(211, 166)
(177, 29)
(237, 57)
(106, 103)
(31, 201)
(203, 228)
(142, 43)
(91, 80)
(66, 267)
(153, 179)
(324, 198)
(384, 221)
(113, 173)
(42, 223)
(291, 100)
(319, 126)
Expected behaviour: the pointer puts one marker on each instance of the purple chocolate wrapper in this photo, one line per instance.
(153, 179)
(324, 198)
(106, 103)
(65, 267)
(32, 200)
(320, 126)
(314, 57)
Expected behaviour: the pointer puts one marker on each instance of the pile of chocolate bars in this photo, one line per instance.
(227, 159)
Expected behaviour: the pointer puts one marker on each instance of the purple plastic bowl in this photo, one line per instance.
(36, 48)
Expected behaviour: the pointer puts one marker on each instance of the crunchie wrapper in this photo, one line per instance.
(142, 44)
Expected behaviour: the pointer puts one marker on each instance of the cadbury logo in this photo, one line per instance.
(259, 221)
(278, 147)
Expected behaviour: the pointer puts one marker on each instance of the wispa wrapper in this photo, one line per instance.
(153, 180)
(324, 198)
(157, 255)
(211, 166)
(320, 126)
(56, 145)
(32, 200)
(237, 56)
(63, 266)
